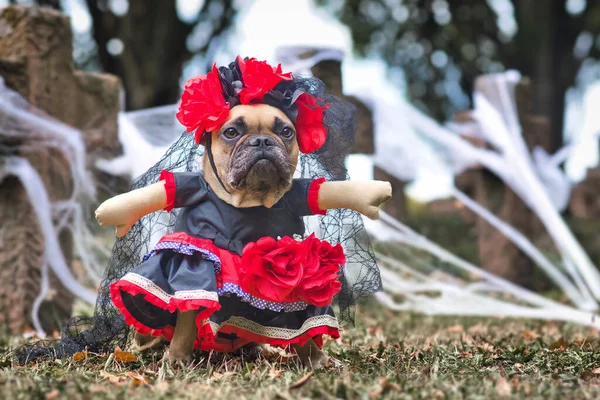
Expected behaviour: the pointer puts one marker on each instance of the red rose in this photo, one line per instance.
(320, 289)
(272, 269)
(259, 78)
(332, 254)
(309, 124)
(321, 284)
(311, 247)
(203, 108)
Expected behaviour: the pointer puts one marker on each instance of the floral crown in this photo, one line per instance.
(207, 100)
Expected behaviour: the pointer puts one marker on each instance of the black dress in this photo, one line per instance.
(201, 267)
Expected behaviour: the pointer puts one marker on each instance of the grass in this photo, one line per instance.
(388, 355)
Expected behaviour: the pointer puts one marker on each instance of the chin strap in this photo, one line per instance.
(212, 161)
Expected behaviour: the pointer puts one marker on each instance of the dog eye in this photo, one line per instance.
(287, 132)
(231, 133)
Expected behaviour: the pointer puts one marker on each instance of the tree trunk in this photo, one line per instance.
(154, 49)
(544, 53)
(154, 46)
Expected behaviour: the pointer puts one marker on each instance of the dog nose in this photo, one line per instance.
(262, 141)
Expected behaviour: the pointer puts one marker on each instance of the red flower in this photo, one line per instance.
(203, 108)
(311, 247)
(272, 269)
(322, 283)
(259, 78)
(333, 255)
(309, 124)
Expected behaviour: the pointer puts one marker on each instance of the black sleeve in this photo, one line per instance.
(183, 188)
(190, 188)
(302, 198)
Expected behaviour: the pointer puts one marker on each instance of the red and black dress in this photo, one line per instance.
(244, 271)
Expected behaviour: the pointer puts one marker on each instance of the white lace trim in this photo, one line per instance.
(151, 287)
(275, 332)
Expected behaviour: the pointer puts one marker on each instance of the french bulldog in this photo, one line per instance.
(255, 154)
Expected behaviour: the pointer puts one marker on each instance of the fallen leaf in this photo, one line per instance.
(456, 328)
(583, 342)
(529, 335)
(503, 387)
(124, 356)
(218, 375)
(302, 381)
(80, 355)
(114, 379)
(137, 378)
(596, 371)
(466, 355)
(560, 344)
(53, 394)
(586, 375)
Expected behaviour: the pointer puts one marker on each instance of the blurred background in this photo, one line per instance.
(429, 51)
(382, 55)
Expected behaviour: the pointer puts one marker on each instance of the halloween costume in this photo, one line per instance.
(200, 267)
(257, 274)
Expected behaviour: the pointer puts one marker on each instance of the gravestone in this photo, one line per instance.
(584, 213)
(36, 61)
(585, 198)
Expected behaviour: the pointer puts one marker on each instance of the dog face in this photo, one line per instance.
(255, 154)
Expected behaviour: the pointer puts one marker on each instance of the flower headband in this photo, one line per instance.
(207, 100)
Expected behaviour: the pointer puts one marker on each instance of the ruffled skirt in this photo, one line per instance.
(184, 273)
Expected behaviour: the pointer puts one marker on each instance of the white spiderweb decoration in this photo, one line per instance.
(538, 181)
(461, 288)
(21, 123)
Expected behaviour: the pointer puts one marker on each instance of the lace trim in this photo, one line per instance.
(275, 332)
(151, 287)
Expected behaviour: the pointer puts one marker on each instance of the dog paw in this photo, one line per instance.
(317, 360)
(141, 343)
(176, 360)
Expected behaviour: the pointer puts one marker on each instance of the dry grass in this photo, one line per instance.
(387, 355)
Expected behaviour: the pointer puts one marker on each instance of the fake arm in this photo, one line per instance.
(363, 196)
(125, 209)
